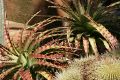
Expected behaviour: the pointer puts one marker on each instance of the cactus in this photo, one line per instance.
(1, 21)
(77, 69)
(106, 68)
(69, 74)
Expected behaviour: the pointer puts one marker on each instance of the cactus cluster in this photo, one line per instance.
(70, 74)
(106, 68)
(76, 69)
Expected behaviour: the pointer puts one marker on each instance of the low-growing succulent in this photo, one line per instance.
(77, 70)
(106, 69)
(69, 74)
(88, 24)
(32, 54)
(90, 68)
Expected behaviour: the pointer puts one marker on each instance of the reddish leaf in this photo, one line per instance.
(86, 45)
(25, 75)
(7, 37)
(51, 57)
(5, 73)
(44, 63)
(46, 22)
(47, 47)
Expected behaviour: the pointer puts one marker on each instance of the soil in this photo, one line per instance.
(18, 10)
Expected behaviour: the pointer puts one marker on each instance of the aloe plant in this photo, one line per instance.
(1, 21)
(32, 56)
(87, 25)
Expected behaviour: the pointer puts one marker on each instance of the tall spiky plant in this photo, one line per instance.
(32, 55)
(86, 24)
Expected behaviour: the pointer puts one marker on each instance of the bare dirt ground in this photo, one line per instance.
(18, 13)
(18, 10)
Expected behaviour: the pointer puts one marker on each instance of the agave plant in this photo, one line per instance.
(87, 24)
(33, 55)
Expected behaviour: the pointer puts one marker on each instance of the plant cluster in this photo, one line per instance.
(107, 68)
(89, 27)
(33, 55)
(38, 54)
